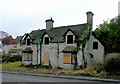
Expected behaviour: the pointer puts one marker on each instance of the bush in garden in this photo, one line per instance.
(5, 58)
(112, 66)
(11, 58)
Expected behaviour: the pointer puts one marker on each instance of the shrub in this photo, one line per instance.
(5, 58)
(112, 65)
(16, 58)
(11, 58)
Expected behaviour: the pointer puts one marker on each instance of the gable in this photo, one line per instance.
(46, 35)
(93, 39)
(69, 32)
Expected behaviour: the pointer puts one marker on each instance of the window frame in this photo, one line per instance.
(29, 42)
(29, 57)
(95, 45)
(70, 54)
(69, 39)
(45, 40)
(14, 46)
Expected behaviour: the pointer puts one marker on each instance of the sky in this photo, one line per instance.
(18, 17)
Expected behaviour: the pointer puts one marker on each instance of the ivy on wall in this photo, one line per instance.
(86, 36)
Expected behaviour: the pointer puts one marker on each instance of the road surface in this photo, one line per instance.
(6, 77)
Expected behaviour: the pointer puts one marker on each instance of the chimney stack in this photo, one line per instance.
(90, 18)
(10, 38)
(49, 24)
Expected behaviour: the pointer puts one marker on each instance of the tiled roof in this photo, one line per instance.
(28, 49)
(57, 33)
(13, 51)
(5, 40)
(69, 49)
(17, 39)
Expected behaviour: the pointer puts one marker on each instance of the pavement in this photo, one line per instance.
(65, 77)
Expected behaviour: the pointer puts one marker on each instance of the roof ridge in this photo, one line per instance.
(69, 25)
(37, 30)
(60, 27)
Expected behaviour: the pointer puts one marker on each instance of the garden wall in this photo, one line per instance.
(111, 55)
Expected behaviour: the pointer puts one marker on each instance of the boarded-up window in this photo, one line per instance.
(25, 56)
(67, 58)
(30, 57)
(46, 59)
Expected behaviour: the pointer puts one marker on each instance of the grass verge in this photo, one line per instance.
(89, 71)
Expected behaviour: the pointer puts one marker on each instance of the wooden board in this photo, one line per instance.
(46, 59)
(67, 58)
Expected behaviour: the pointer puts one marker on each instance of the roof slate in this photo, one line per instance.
(17, 39)
(5, 40)
(28, 49)
(57, 33)
(69, 49)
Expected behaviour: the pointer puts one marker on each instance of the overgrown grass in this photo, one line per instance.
(89, 71)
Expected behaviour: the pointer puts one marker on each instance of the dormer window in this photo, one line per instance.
(28, 41)
(69, 39)
(46, 40)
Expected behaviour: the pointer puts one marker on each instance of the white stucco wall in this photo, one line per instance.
(45, 48)
(80, 58)
(6, 48)
(98, 54)
(1, 47)
(62, 46)
(35, 57)
(55, 59)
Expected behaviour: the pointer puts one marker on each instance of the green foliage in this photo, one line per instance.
(75, 63)
(112, 66)
(10, 58)
(50, 66)
(86, 36)
(108, 35)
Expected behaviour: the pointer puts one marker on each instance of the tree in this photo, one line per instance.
(108, 34)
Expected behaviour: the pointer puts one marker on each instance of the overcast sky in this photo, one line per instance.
(22, 16)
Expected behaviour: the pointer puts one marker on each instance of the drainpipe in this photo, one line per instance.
(40, 54)
(58, 53)
(37, 54)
